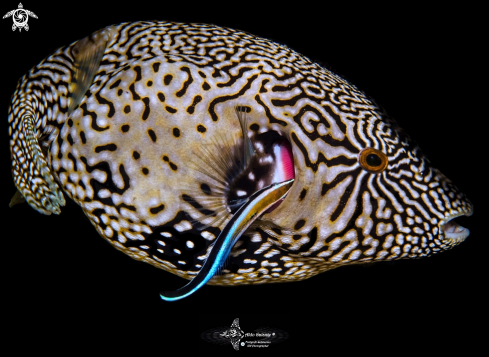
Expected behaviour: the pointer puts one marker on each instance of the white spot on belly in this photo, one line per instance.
(165, 234)
(291, 270)
(177, 251)
(134, 236)
(108, 232)
(334, 244)
(355, 254)
(400, 239)
(418, 230)
(183, 226)
(250, 261)
(255, 238)
(115, 225)
(271, 253)
(388, 241)
(190, 244)
(80, 192)
(161, 243)
(263, 247)
(208, 235)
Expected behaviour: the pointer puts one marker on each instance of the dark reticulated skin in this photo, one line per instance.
(304, 230)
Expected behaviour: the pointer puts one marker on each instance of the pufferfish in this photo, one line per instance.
(224, 158)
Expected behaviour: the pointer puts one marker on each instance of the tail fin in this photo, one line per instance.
(31, 172)
(33, 116)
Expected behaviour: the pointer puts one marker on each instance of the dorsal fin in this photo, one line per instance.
(248, 150)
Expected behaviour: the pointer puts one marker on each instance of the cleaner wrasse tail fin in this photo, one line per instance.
(255, 206)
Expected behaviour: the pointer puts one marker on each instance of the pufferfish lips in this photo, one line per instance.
(452, 230)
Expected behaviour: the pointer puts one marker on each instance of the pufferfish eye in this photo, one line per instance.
(372, 160)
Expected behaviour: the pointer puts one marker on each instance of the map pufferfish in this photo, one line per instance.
(160, 129)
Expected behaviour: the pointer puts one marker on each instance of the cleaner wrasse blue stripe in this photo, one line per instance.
(257, 204)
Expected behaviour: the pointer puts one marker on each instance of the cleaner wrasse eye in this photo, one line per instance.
(161, 132)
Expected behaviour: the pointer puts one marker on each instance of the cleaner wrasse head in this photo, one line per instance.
(137, 124)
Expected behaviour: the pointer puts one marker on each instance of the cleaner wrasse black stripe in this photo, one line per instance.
(256, 205)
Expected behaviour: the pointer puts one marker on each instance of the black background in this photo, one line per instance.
(62, 282)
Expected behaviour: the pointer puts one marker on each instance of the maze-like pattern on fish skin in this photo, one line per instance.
(162, 91)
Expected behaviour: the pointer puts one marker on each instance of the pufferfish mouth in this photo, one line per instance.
(453, 230)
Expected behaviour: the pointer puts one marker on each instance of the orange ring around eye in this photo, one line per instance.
(379, 157)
